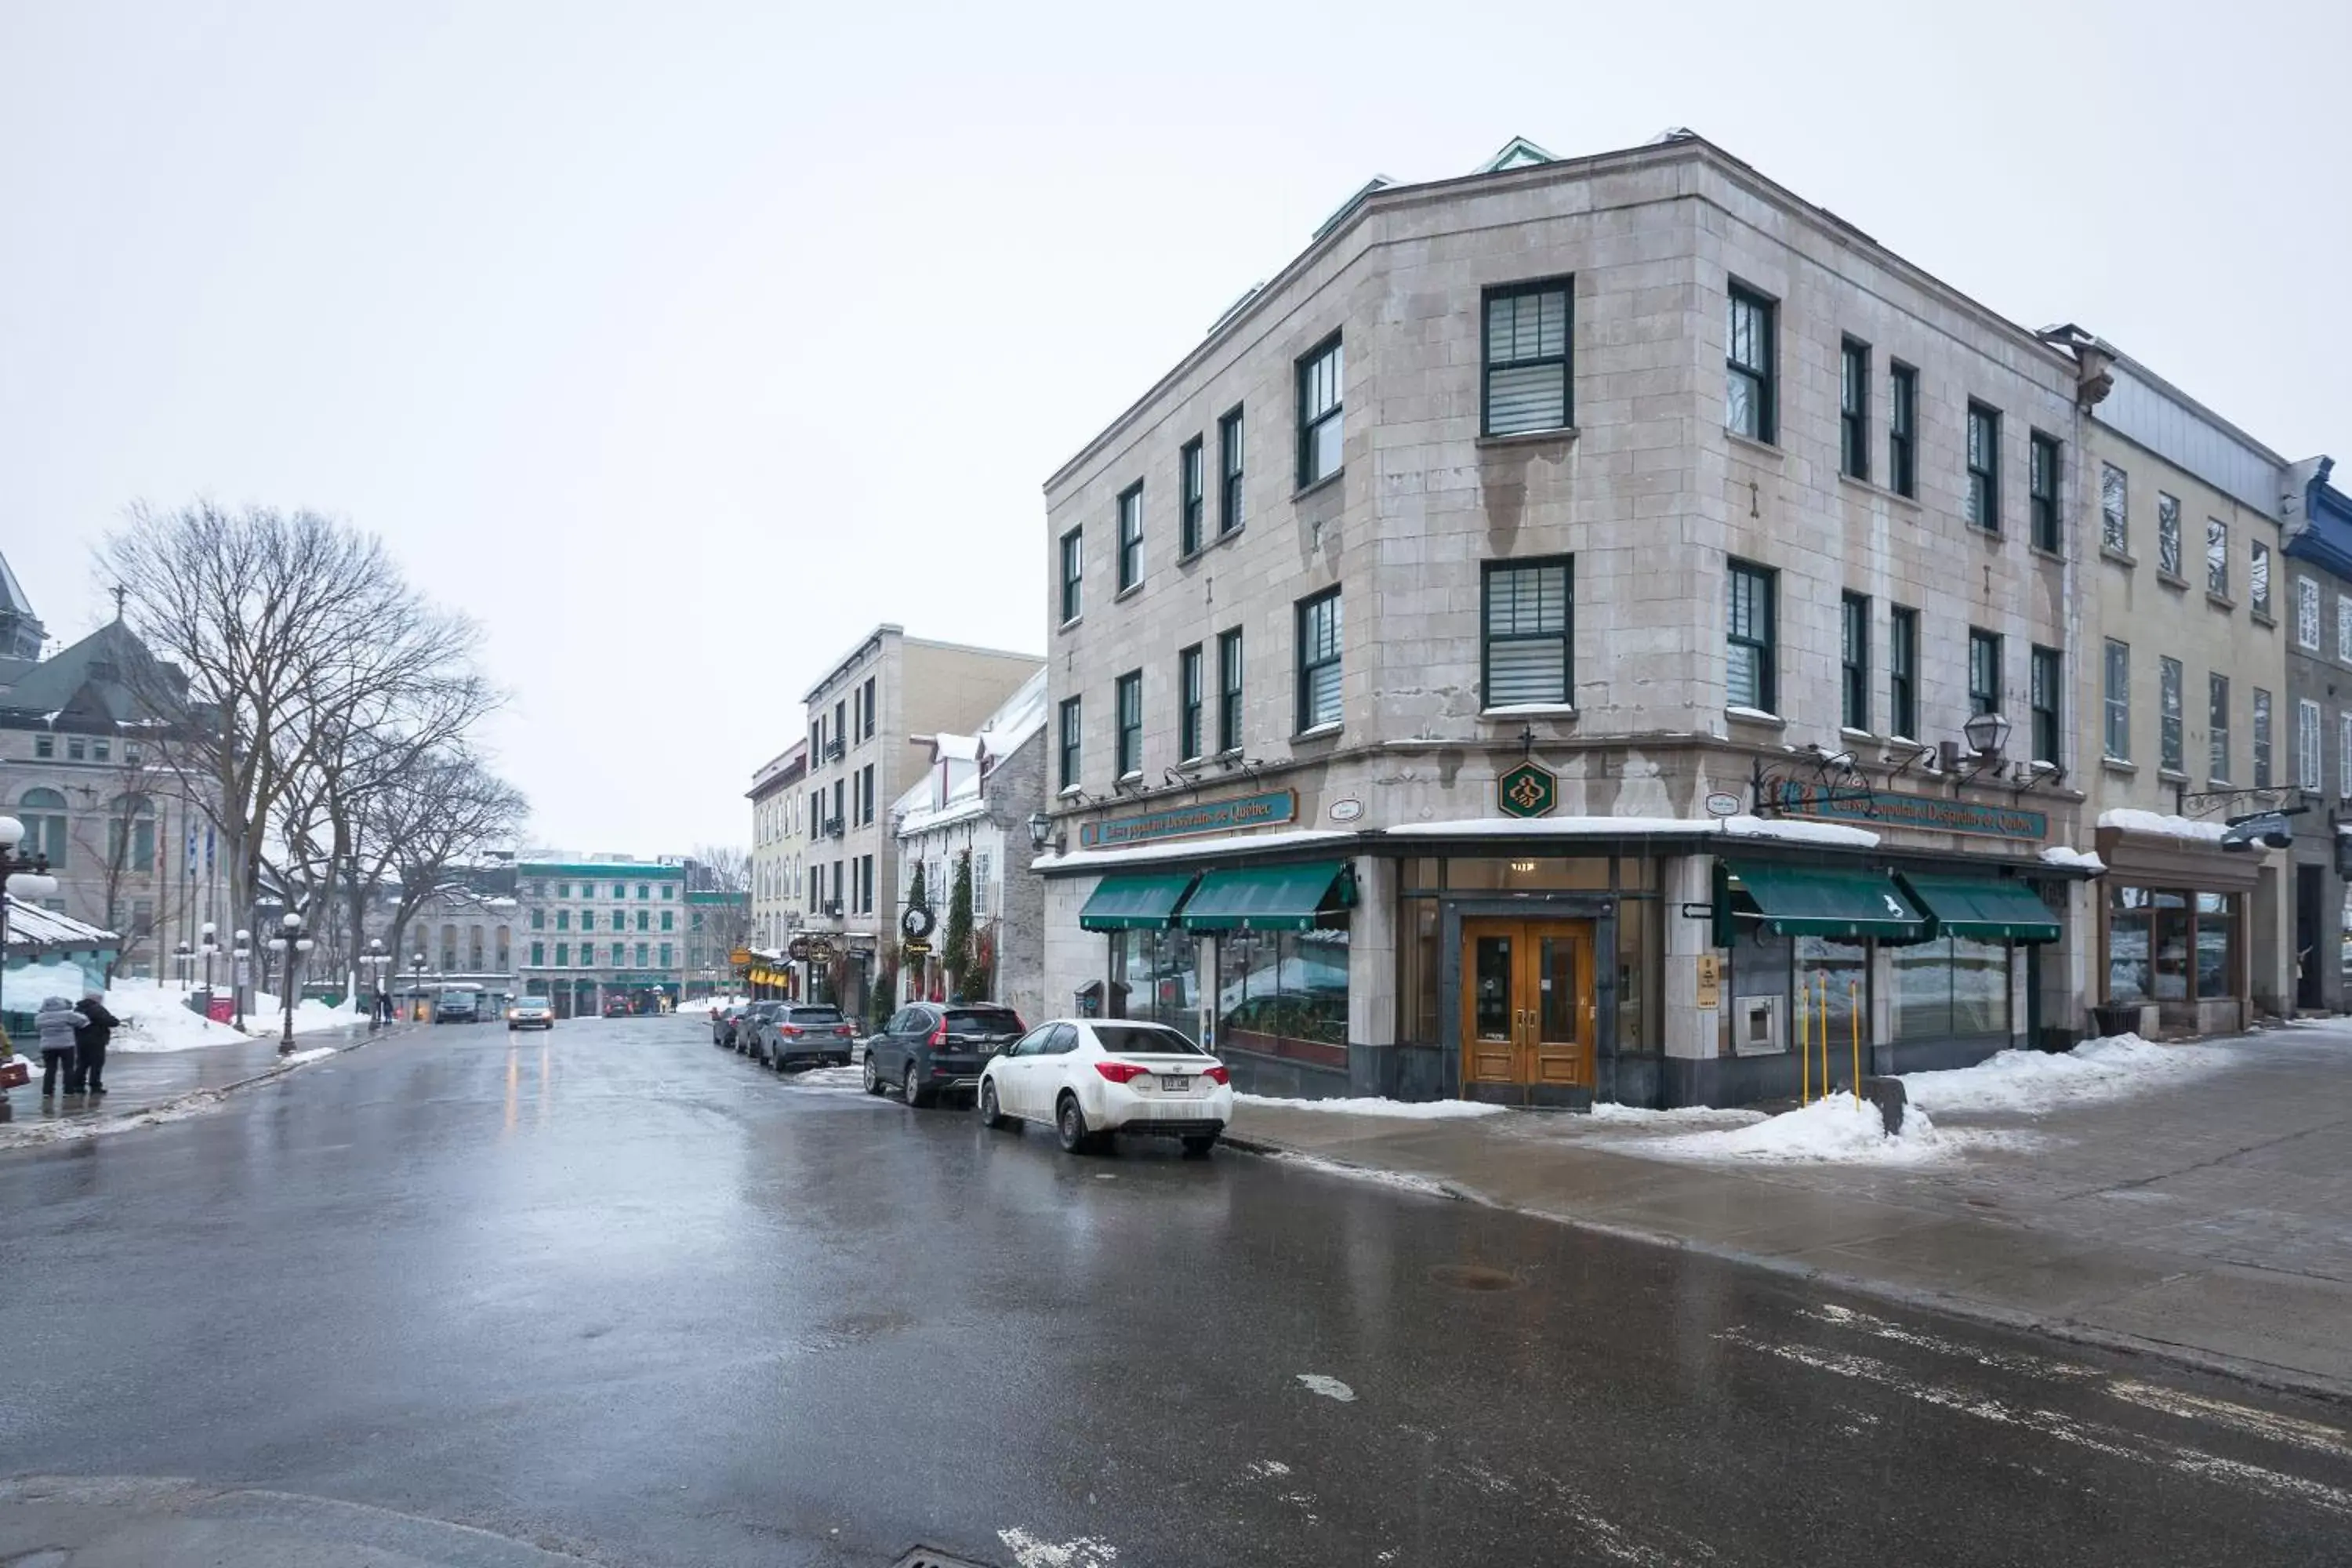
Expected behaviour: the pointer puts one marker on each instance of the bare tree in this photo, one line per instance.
(437, 816)
(118, 829)
(721, 868)
(280, 638)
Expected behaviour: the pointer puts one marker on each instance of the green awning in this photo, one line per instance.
(1807, 900)
(1135, 903)
(1270, 897)
(1987, 908)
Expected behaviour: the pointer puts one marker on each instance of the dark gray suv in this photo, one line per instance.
(930, 1048)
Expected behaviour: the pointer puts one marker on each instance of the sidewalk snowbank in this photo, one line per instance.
(310, 1013)
(1837, 1129)
(157, 1019)
(711, 1003)
(2110, 1068)
(1400, 1109)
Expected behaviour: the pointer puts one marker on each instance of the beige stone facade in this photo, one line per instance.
(1648, 502)
(780, 844)
(2189, 721)
(869, 721)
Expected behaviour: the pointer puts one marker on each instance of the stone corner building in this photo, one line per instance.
(1527, 650)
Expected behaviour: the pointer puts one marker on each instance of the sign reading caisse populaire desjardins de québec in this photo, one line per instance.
(1919, 813)
(1183, 821)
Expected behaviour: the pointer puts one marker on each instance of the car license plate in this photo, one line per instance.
(1175, 1085)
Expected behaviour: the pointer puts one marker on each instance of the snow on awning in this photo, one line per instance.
(29, 925)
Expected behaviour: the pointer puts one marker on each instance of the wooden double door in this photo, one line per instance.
(1528, 1009)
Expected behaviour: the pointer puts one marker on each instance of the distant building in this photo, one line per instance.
(2317, 613)
(597, 927)
(717, 923)
(779, 845)
(868, 723)
(82, 766)
(975, 799)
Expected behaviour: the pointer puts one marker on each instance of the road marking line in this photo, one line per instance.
(2238, 1417)
(2003, 1361)
(2110, 1441)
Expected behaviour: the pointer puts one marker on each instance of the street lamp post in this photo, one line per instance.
(208, 944)
(24, 877)
(293, 943)
(183, 962)
(375, 959)
(416, 985)
(242, 955)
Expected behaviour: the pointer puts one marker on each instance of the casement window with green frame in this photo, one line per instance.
(1318, 661)
(1983, 508)
(2046, 698)
(1321, 428)
(1853, 411)
(1189, 704)
(1130, 709)
(1903, 672)
(1853, 662)
(1229, 471)
(2043, 460)
(1527, 656)
(1068, 731)
(1751, 400)
(1074, 570)
(1229, 689)
(1130, 536)
(1902, 428)
(1529, 328)
(1191, 501)
(1984, 671)
(1749, 656)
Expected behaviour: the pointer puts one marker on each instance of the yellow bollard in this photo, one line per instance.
(1853, 1011)
(1821, 980)
(1804, 1045)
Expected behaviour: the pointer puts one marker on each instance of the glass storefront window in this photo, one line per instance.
(1284, 993)
(1980, 986)
(1951, 986)
(2131, 977)
(2168, 945)
(2172, 960)
(1640, 941)
(1835, 978)
(2217, 931)
(1153, 975)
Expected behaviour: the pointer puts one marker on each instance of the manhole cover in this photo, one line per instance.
(1474, 1277)
(928, 1557)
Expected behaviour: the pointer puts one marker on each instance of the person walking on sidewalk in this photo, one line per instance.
(90, 1045)
(56, 1024)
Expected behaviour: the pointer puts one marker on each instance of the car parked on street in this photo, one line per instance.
(746, 1030)
(1093, 1079)
(530, 1012)
(722, 1022)
(805, 1035)
(930, 1048)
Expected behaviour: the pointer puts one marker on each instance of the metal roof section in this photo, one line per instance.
(1377, 183)
(1519, 152)
(2148, 409)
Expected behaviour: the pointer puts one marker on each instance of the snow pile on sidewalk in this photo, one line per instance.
(157, 1019)
(1609, 1110)
(1837, 1129)
(1400, 1109)
(711, 1003)
(310, 1013)
(2110, 1068)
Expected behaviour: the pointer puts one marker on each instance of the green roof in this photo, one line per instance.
(1986, 909)
(596, 869)
(1807, 900)
(1270, 897)
(1135, 903)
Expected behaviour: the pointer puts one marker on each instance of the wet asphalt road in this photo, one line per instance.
(616, 1293)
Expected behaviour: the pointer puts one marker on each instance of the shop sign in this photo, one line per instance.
(918, 948)
(1185, 821)
(1916, 813)
(741, 958)
(1710, 981)
(1528, 790)
(1346, 810)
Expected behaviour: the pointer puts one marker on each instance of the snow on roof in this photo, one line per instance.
(2130, 819)
(966, 808)
(2079, 859)
(29, 925)
(1022, 716)
(1191, 848)
(959, 748)
(1576, 826)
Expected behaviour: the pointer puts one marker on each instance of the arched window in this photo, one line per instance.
(449, 947)
(43, 812)
(506, 936)
(473, 949)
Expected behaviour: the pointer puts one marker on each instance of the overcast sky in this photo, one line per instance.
(683, 342)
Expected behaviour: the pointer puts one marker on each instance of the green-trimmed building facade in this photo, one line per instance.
(602, 932)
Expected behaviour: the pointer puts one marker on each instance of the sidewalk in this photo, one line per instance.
(2208, 1220)
(140, 1083)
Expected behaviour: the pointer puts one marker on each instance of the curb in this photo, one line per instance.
(2259, 1375)
(217, 1090)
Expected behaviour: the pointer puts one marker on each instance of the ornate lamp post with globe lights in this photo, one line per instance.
(241, 956)
(26, 877)
(376, 960)
(291, 941)
(416, 986)
(208, 943)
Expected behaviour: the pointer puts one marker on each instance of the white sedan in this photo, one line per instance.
(1089, 1078)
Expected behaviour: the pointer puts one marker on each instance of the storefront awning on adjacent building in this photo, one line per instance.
(1805, 900)
(1985, 909)
(1270, 897)
(1135, 903)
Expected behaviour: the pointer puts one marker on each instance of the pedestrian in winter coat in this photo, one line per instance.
(90, 1045)
(56, 1023)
